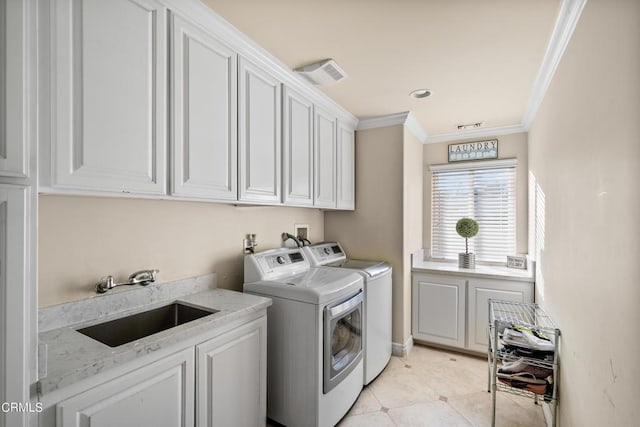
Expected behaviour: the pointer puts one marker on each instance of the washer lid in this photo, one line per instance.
(371, 268)
(316, 286)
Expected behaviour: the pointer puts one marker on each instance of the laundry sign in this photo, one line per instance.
(479, 150)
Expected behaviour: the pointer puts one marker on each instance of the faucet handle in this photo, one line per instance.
(105, 284)
(143, 277)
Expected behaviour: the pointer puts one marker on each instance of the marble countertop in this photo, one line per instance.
(482, 271)
(67, 356)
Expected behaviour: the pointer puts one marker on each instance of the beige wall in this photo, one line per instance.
(81, 239)
(374, 229)
(412, 215)
(509, 147)
(585, 157)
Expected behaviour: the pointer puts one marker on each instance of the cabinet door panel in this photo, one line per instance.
(259, 135)
(14, 288)
(109, 97)
(346, 168)
(160, 394)
(204, 114)
(480, 290)
(232, 377)
(13, 142)
(439, 310)
(325, 159)
(297, 135)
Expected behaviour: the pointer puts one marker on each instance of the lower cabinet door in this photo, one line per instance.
(159, 395)
(232, 378)
(439, 309)
(480, 290)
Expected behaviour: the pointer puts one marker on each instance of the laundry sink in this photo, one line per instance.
(130, 328)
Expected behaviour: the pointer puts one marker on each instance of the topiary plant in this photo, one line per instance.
(467, 228)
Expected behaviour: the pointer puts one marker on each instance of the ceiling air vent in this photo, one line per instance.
(323, 73)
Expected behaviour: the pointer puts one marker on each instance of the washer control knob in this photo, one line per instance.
(280, 259)
(327, 251)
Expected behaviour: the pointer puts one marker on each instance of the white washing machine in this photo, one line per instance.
(377, 301)
(314, 337)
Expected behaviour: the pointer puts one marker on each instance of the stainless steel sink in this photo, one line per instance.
(140, 325)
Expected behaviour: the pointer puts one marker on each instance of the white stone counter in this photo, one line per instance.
(485, 271)
(67, 356)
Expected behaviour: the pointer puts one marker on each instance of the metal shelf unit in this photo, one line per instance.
(506, 314)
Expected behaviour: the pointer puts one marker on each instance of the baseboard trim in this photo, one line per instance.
(401, 350)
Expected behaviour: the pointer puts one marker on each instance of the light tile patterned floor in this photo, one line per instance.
(432, 387)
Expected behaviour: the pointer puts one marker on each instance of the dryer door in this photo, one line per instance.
(343, 323)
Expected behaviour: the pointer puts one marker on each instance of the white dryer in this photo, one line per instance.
(377, 301)
(314, 338)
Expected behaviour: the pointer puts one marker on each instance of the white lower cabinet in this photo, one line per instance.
(232, 378)
(219, 380)
(439, 309)
(480, 290)
(452, 310)
(160, 394)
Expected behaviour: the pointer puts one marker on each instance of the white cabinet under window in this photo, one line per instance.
(259, 134)
(346, 159)
(203, 115)
(160, 394)
(439, 309)
(452, 309)
(297, 148)
(480, 290)
(231, 377)
(324, 159)
(109, 95)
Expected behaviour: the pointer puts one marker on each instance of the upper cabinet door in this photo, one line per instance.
(259, 135)
(109, 95)
(325, 159)
(204, 114)
(346, 168)
(297, 136)
(13, 143)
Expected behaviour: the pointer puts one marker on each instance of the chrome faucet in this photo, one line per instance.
(142, 277)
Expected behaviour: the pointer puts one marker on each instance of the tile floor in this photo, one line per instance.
(432, 387)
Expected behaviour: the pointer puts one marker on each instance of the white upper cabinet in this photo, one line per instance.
(259, 135)
(13, 144)
(325, 159)
(109, 95)
(346, 168)
(297, 136)
(204, 114)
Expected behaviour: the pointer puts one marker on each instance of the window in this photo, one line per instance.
(486, 193)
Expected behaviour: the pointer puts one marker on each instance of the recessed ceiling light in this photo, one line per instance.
(420, 93)
(471, 126)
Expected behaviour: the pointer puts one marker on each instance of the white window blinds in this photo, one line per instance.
(485, 193)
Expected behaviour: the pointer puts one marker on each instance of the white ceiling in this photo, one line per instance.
(480, 58)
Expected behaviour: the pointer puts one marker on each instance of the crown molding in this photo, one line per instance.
(216, 25)
(475, 133)
(405, 118)
(570, 11)
(383, 121)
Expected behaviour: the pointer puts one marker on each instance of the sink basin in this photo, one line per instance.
(140, 325)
